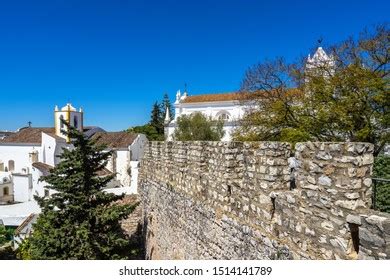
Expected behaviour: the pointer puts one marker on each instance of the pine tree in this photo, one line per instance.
(80, 220)
(166, 103)
(157, 119)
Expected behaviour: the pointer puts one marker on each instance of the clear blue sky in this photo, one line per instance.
(116, 57)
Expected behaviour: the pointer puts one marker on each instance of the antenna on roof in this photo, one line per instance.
(29, 124)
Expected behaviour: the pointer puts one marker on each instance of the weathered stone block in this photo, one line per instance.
(372, 239)
(327, 225)
(354, 219)
(325, 181)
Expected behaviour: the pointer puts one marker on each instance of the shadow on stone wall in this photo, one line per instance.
(234, 200)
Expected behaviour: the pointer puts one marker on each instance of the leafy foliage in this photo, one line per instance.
(154, 130)
(157, 118)
(197, 127)
(149, 130)
(23, 251)
(6, 250)
(79, 220)
(382, 170)
(5, 234)
(347, 100)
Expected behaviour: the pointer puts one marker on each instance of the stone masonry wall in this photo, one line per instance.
(234, 200)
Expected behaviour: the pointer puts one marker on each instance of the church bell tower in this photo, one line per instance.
(69, 115)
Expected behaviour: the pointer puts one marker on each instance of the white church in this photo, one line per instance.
(227, 106)
(31, 152)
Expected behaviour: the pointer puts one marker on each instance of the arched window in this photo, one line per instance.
(1, 166)
(75, 122)
(11, 165)
(6, 191)
(223, 115)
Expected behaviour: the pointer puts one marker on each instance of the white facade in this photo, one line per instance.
(124, 163)
(50, 149)
(6, 188)
(30, 153)
(230, 110)
(23, 187)
(137, 148)
(15, 157)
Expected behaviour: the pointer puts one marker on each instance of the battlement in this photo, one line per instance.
(243, 200)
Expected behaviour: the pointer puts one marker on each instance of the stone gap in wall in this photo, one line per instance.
(354, 229)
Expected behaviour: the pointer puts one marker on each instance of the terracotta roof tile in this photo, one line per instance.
(232, 96)
(214, 97)
(28, 135)
(43, 167)
(6, 133)
(115, 139)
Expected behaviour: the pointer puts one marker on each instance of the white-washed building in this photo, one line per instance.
(225, 106)
(6, 188)
(30, 153)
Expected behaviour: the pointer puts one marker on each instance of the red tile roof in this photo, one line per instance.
(232, 96)
(43, 167)
(115, 139)
(32, 135)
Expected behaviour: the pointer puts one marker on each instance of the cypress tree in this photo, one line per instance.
(166, 103)
(80, 220)
(156, 118)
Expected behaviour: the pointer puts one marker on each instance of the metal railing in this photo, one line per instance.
(381, 194)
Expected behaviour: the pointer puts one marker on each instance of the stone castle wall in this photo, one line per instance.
(235, 200)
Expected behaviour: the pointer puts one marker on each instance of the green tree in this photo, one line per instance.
(6, 250)
(197, 127)
(382, 170)
(3, 235)
(166, 103)
(80, 220)
(154, 130)
(347, 100)
(6, 234)
(157, 118)
(149, 131)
